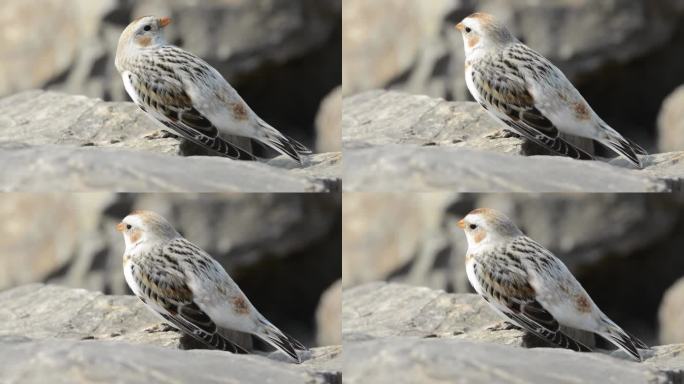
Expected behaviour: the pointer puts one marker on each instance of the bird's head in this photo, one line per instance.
(145, 227)
(481, 31)
(486, 226)
(144, 32)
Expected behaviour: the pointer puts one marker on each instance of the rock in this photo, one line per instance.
(671, 122)
(77, 121)
(65, 168)
(62, 361)
(398, 142)
(371, 51)
(381, 310)
(671, 314)
(41, 118)
(414, 360)
(40, 44)
(328, 129)
(328, 321)
(374, 250)
(401, 334)
(61, 332)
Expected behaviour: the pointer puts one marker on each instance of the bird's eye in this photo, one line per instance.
(468, 30)
(128, 226)
(147, 27)
(472, 226)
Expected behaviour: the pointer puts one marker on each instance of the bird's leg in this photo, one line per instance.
(504, 326)
(160, 134)
(160, 327)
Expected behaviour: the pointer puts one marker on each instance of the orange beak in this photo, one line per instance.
(164, 21)
(120, 227)
(461, 224)
(460, 27)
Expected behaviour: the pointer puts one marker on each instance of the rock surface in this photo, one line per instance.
(399, 142)
(56, 142)
(671, 314)
(671, 122)
(328, 123)
(431, 337)
(328, 319)
(72, 335)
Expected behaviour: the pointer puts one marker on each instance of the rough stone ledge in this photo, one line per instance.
(394, 333)
(66, 168)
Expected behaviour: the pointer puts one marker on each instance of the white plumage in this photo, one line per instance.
(189, 97)
(528, 94)
(190, 290)
(532, 288)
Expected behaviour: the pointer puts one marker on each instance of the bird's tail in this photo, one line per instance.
(625, 147)
(623, 340)
(283, 144)
(279, 340)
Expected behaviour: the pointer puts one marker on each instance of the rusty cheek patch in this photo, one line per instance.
(581, 111)
(479, 236)
(240, 306)
(472, 41)
(143, 41)
(583, 304)
(135, 236)
(239, 111)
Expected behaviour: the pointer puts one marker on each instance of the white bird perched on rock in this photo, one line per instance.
(190, 290)
(529, 286)
(188, 96)
(531, 96)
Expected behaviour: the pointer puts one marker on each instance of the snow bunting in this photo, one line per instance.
(527, 93)
(188, 96)
(532, 288)
(190, 290)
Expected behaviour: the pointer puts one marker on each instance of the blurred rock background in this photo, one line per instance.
(283, 56)
(625, 56)
(625, 249)
(282, 249)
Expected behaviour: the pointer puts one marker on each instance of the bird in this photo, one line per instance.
(529, 286)
(529, 95)
(190, 290)
(190, 97)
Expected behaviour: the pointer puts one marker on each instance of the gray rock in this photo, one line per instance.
(380, 310)
(71, 334)
(671, 314)
(409, 168)
(328, 123)
(33, 121)
(399, 142)
(414, 360)
(66, 361)
(402, 334)
(328, 321)
(671, 122)
(66, 168)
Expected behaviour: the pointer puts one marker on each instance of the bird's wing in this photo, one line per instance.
(168, 103)
(164, 290)
(505, 285)
(501, 89)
